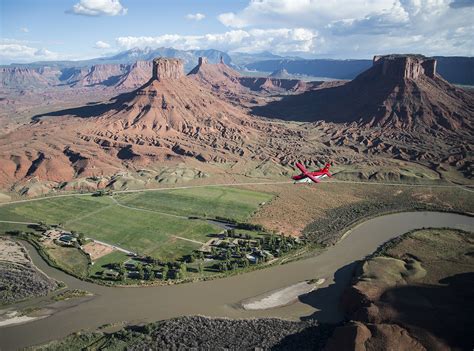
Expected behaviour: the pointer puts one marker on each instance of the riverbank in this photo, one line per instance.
(413, 293)
(216, 298)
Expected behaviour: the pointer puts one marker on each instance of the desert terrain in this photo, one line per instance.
(168, 178)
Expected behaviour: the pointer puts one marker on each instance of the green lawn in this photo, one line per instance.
(113, 257)
(226, 202)
(144, 232)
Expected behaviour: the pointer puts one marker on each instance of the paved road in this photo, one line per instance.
(465, 188)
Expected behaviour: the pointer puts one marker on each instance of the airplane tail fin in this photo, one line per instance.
(326, 169)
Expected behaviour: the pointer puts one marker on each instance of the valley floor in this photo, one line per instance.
(441, 255)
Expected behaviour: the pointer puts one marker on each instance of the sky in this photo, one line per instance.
(34, 30)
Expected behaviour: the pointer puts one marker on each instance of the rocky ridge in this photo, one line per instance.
(399, 92)
(175, 117)
(171, 117)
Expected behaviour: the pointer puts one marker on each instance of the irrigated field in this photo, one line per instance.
(148, 223)
(205, 202)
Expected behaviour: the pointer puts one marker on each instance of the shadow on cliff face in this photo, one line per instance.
(431, 317)
(354, 101)
(445, 311)
(96, 109)
(87, 111)
(329, 314)
(327, 300)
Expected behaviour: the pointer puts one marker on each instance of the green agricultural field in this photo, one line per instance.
(54, 210)
(161, 234)
(210, 202)
(143, 232)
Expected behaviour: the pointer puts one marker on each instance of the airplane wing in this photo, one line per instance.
(313, 178)
(301, 167)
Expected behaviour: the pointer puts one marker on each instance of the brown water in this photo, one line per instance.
(220, 298)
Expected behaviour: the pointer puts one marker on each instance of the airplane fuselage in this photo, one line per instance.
(304, 179)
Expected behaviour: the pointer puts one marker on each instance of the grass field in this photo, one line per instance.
(5, 227)
(143, 232)
(69, 258)
(206, 202)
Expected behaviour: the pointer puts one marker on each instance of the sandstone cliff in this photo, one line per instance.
(171, 117)
(166, 68)
(399, 92)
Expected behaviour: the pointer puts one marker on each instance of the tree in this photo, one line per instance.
(164, 272)
(183, 269)
(222, 267)
(200, 268)
(148, 273)
(227, 254)
(141, 273)
(81, 238)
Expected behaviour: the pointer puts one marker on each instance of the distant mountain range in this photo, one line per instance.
(189, 57)
(458, 70)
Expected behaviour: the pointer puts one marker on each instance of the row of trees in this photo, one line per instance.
(231, 256)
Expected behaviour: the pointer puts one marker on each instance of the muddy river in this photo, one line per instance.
(221, 298)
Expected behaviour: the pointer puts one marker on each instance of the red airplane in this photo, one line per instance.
(308, 177)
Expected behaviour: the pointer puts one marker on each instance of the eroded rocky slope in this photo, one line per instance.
(398, 111)
(416, 294)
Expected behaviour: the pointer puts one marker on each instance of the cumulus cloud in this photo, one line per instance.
(101, 45)
(195, 16)
(305, 13)
(374, 23)
(13, 51)
(98, 8)
(229, 19)
(361, 28)
(255, 40)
